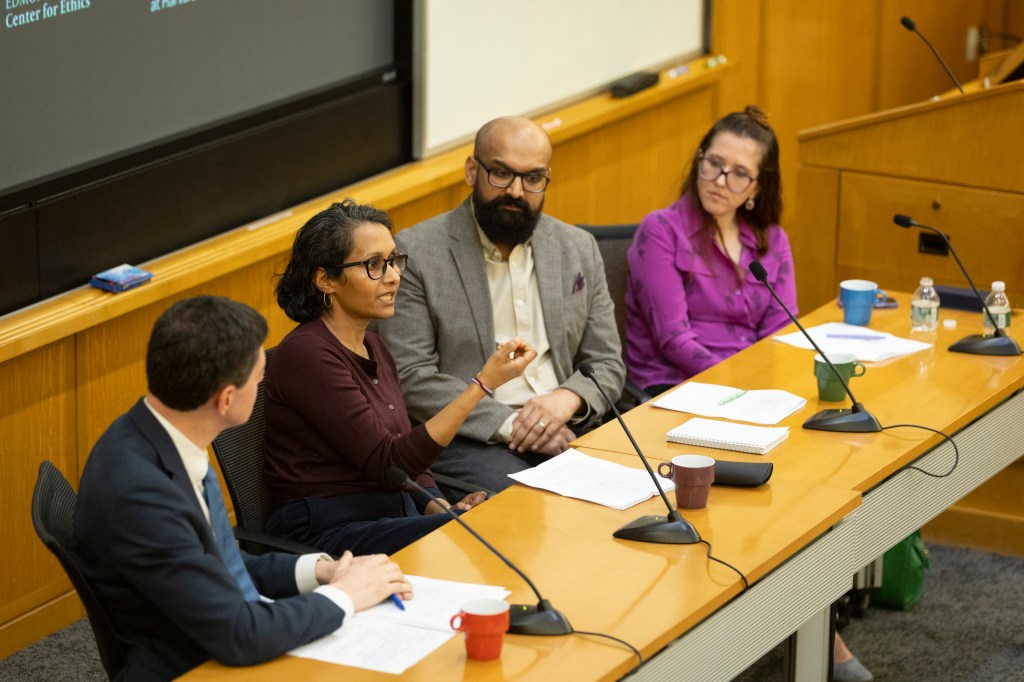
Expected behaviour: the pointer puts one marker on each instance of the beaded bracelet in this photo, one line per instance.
(482, 387)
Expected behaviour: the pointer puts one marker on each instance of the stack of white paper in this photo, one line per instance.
(711, 400)
(573, 474)
(866, 345)
(389, 640)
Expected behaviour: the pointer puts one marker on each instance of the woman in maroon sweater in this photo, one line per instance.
(335, 418)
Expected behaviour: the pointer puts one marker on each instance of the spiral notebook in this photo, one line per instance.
(709, 433)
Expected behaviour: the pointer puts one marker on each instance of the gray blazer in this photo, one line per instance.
(443, 328)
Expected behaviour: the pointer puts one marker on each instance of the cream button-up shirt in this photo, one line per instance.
(515, 303)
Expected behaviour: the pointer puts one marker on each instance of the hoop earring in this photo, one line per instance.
(327, 300)
(750, 204)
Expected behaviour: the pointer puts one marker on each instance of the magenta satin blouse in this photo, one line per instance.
(686, 311)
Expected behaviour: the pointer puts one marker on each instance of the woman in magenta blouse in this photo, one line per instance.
(336, 421)
(691, 301)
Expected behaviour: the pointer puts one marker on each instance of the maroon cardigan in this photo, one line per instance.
(337, 421)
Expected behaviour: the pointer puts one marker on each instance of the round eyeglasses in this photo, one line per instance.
(737, 179)
(377, 266)
(502, 178)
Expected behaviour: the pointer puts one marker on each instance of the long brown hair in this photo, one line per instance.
(751, 123)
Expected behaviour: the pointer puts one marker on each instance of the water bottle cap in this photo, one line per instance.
(998, 286)
(926, 281)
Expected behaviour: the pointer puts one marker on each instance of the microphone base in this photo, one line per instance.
(659, 529)
(979, 344)
(542, 620)
(844, 421)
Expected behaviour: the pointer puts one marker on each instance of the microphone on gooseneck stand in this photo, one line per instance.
(542, 619)
(909, 24)
(979, 344)
(674, 529)
(854, 420)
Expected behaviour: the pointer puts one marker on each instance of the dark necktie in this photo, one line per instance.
(226, 537)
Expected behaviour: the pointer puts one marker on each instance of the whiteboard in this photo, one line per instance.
(475, 60)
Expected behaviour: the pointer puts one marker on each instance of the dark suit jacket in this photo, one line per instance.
(443, 328)
(150, 555)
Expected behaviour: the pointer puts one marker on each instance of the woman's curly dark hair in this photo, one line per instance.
(325, 241)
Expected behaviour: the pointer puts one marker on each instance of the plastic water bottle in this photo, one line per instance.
(999, 306)
(924, 308)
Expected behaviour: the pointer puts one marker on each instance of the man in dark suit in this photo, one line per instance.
(152, 534)
(494, 268)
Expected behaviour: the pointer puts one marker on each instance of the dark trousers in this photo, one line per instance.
(482, 464)
(658, 389)
(363, 523)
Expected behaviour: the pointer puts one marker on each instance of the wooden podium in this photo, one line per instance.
(954, 163)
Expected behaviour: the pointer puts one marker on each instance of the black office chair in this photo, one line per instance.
(239, 451)
(614, 241)
(53, 508)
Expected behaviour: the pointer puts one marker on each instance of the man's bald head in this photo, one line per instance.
(512, 132)
(509, 147)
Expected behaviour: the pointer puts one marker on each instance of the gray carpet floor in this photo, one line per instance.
(967, 627)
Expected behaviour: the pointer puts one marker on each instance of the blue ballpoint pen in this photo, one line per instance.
(397, 601)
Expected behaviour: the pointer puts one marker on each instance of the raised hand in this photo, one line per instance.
(508, 361)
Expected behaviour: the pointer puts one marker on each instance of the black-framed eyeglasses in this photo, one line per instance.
(377, 266)
(737, 179)
(502, 178)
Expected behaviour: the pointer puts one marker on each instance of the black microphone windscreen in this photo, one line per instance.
(758, 271)
(587, 370)
(903, 220)
(397, 477)
(908, 24)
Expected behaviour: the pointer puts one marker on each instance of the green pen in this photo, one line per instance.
(731, 398)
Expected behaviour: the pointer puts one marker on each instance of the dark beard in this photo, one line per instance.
(509, 228)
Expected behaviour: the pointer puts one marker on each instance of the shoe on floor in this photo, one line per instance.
(851, 671)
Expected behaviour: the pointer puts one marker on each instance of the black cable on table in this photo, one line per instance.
(640, 657)
(738, 572)
(956, 450)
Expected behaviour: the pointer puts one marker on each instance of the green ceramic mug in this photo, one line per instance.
(829, 388)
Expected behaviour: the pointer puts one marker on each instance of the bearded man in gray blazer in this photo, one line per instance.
(494, 268)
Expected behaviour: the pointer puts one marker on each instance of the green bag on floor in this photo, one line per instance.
(903, 569)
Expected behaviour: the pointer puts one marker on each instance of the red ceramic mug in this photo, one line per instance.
(484, 622)
(693, 476)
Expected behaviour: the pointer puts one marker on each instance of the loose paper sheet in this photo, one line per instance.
(386, 639)
(869, 345)
(759, 406)
(573, 474)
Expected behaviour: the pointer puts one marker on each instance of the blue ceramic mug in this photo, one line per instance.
(858, 297)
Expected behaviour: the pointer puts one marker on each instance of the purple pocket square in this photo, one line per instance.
(579, 284)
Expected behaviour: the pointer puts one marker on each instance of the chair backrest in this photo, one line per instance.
(53, 508)
(613, 242)
(239, 451)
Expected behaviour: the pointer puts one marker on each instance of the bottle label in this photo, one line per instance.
(924, 314)
(1000, 315)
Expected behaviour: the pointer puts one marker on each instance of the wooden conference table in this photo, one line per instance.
(976, 399)
(834, 503)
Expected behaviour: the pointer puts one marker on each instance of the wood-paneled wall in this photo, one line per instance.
(69, 366)
(810, 63)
